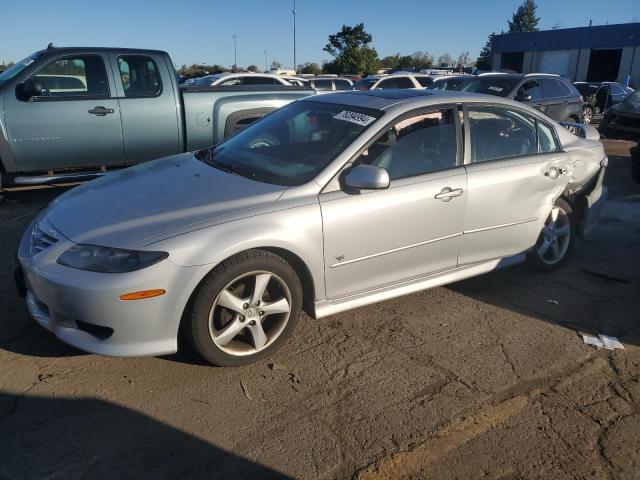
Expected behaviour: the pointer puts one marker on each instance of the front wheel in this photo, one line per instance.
(587, 115)
(555, 243)
(245, 309)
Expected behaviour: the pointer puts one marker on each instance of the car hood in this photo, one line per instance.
(154, 199)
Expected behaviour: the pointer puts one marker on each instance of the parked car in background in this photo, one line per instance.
(599, 96)
(298, 81)
(330, 203)
(113, 107)
(327, 84)
(393, 81)
(352, 76)
(228, 79)
(448, 82)
(623, 118)
(551, 94)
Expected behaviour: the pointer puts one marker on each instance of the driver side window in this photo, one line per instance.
(532, 88)
(417, 145)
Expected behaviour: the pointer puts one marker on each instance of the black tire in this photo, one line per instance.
(196, 327)
(538, 262)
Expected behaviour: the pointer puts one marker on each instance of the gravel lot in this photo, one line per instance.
(486, 378)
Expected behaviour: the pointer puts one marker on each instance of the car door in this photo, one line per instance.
(515, 171)
(148, 105)
(618, 93)
(75, 122)
(556, 99)
(413, 228)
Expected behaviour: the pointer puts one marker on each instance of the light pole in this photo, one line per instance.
(294, 35)
(266, 68)
(235, 51)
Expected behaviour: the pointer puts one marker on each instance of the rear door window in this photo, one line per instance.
(554, 88)
(342, 84)
(140, 76)
(257, 80)
(396, 82)
(498, 133)
(425, 81)
(323, 85)
(76, 76)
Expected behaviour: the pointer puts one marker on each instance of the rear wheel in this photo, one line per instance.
(587, 114)
(555, 243)
(246, 308)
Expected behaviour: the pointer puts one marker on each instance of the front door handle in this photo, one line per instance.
(100, 111)
(555, 172)
(448, 193)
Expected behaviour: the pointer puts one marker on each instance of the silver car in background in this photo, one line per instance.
(327, 204)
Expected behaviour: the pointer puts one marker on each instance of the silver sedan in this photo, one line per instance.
(327, 204)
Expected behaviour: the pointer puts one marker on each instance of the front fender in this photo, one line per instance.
(296, 230)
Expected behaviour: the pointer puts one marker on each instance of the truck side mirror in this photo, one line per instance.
(31, 88)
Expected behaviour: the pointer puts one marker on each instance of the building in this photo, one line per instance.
(593, 54)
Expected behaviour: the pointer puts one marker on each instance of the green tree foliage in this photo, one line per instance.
(253, 68)
(199, 70)
(417, 60)
(310, 67)
(351, 51)
(484, 59)
(275, 65)
(525, 20)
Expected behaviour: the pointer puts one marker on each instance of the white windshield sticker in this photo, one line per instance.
(496, 89)
(355, 117)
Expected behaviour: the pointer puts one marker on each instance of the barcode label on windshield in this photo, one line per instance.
(355, 117)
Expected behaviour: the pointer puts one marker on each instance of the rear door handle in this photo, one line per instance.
(447, 194)
(100, 111)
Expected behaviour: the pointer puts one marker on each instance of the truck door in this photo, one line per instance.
(74, 122)
(148, 105)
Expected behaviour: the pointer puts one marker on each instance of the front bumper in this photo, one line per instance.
(83, 308)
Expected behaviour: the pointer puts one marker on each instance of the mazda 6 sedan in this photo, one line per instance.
(327, 204)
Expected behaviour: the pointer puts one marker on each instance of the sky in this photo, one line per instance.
(196, 31)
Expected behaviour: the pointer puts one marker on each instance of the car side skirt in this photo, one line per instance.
(324, 308)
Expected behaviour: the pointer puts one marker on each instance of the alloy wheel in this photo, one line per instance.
(555, 238)
(250, 313)
(587, 116)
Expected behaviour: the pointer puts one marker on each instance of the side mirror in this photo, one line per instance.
(366, 177)
(523, 97)
(31, 88)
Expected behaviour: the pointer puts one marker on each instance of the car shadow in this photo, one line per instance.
(45, 437)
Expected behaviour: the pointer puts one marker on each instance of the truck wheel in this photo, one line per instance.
(555, 243)
(245, 309)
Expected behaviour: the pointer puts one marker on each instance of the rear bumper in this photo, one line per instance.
(594, 203)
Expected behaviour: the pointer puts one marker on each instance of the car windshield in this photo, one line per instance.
(498, 86)
(14, 70)
(365, 84)
(292, 145)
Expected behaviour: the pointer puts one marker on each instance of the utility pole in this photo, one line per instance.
(266, 65)
(235, 51)
(294, 35)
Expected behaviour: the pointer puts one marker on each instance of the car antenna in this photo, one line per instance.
(51, 46)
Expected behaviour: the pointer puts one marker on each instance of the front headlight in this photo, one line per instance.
(108, 260)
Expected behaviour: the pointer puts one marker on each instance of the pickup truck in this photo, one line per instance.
(68, 114)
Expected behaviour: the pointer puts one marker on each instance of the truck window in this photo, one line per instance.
(139, 75)
(77, 76)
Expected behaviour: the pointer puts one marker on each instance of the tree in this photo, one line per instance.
(253, 68)
(464, 59)
(351, 52)
(445, 60)
(484, 59)
(275, 65)
(525, 20)
(310, 68)
(421, 60)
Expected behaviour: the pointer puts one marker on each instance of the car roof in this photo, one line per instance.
(384, 99)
